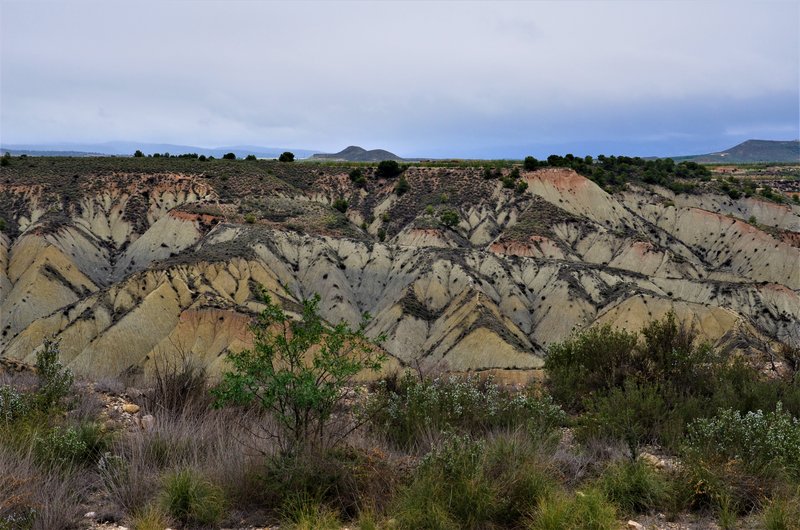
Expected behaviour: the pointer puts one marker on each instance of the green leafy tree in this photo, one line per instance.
(530, 163)
(138, 154)
(297, 371)
(286, 156)
(250, 157)
(229, 156)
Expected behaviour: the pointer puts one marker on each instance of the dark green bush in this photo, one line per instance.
(592, 362)
(387, 169)
(449, 218)
(340, 204)
(402, 187)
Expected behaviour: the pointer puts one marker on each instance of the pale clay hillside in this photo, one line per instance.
(124, 267)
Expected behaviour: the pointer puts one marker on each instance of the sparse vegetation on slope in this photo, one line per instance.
(435, 452)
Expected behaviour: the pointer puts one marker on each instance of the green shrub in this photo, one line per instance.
(587, 510)
(55, 381)
(388, 169)
(381, 234)
(192, 499)
(449, 218)
(64, 447)
(249, 218)
(402, 187)
(472, 483)
(634, 414)
(521, 186)
(634, 487)
(733, 462)
(13, 404)
(761, 442)
(405, 408)
(297, 371)
(594, 361)
(340, 204)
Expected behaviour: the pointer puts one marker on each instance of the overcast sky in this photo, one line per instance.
(477, 79)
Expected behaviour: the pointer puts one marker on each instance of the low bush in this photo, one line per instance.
(345, 479)
(760, 442)
(734, 462)
(473, 483)
(64, 447)
(634, 487)
(192, 499)
(587, 510)
(404, 408)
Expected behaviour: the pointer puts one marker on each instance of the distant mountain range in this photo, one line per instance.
(358, 154)
(751, 151)
(128, 148)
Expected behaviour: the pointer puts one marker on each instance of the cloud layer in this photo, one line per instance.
(437, 79)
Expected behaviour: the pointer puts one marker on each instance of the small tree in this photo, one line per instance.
(250, 157)
(55, 381)
(138, 154)
(286, 156)
(297, 371)
(229, 156)
(530, 163)
(388, 169)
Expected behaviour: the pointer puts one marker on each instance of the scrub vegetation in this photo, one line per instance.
(625, 425)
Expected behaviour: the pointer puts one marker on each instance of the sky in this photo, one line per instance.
(439, 79)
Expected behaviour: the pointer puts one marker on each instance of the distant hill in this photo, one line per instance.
(752, 151)
(358, 154)
(128, 148)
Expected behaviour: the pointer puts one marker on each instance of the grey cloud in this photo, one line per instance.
(449, 78)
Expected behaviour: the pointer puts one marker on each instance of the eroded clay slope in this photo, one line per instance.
(129, 268)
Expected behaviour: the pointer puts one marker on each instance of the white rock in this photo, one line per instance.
(633, 525)
(90, 515)
(147, 422)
